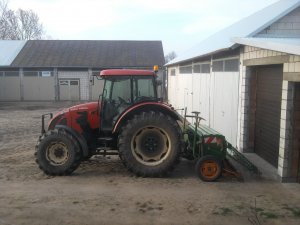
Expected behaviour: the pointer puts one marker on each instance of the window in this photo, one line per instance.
(11, 73)
(143, 89)
(116, 98)
(197, 68)
(46, 73)
(232, 65)
(74, 82)
(31, 73)
(227, 65)
(217, 66)
(201, 68)
(121, 89)
(173, 72)
(185, 69)
(205, 68)
(63, 82)
(107, 89)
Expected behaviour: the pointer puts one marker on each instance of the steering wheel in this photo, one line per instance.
(141, 98)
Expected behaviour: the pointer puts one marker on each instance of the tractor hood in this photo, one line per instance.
(84, 107)
(76, 115)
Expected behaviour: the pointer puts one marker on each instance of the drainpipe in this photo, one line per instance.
(56, 85)
(21, 75)
(209, 97)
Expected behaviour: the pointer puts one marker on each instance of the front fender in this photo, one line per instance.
(79, 138)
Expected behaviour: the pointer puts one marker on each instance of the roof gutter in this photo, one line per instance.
(204, 55)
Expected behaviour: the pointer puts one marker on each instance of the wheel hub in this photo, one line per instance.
(150, 145)
(209, 169)
(57, 153)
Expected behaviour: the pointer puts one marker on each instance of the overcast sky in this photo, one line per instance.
(180, 24)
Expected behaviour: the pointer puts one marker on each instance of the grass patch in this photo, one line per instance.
(225, 211)
(259, 209)
(295, 211)
(269, 215)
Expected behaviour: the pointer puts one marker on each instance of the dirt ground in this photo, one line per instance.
(101, 191)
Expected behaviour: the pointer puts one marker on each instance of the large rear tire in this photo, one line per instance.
(150, 144)
(58, 153)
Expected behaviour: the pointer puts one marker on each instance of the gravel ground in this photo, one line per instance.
(101, 191)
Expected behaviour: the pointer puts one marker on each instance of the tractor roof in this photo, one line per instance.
(127, 72)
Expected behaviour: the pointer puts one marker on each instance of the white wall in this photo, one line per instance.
(214, 94)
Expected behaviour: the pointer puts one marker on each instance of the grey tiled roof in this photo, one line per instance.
(93, 54)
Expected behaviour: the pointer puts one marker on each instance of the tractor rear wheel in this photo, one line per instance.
(150, 144)
(208, 168)
(58, 153)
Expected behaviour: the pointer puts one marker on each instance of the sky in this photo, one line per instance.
(179, 24)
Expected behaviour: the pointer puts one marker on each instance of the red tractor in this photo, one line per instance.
(129, 120)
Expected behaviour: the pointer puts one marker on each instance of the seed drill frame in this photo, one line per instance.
(211, 150)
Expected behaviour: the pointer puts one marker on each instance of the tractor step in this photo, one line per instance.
(105, 139)
(107, 152)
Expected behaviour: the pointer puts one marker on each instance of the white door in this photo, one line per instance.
(69, 89)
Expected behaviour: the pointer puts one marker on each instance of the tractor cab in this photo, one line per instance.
(123, 89)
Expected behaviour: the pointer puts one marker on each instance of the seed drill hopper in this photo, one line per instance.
(211, 150)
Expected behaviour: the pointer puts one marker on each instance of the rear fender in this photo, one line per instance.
(144, 107)
(78, 137)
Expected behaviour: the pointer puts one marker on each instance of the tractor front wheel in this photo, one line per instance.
(208, 168)
(58, 153)
(150, 144)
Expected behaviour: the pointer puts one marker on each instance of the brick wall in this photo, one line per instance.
(291, 72)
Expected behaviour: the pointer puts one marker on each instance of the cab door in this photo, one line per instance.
(117, 97)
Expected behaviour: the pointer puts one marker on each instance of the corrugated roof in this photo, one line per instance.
(287, 45)
(91, 54)
(246, 27)
(9, 50)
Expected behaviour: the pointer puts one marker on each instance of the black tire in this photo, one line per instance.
(58, 153)
(208, 168)
(150, 144)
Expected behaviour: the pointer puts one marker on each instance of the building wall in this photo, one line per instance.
(38, 88)
(288, 26)
(251, 56)
(17, 84)
(9, 88)
(213, 94)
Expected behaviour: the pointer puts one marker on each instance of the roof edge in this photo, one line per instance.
(208, 54)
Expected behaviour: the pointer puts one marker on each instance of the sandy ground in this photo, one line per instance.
(101, 191)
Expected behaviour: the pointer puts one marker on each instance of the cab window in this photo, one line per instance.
(143, 89)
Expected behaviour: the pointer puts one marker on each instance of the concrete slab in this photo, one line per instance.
(268, 171)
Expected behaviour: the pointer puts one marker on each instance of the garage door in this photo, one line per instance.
(69, 89)
(38, 87)
(267, 117)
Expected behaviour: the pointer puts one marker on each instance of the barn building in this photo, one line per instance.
(39, 70)
(245, 81)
